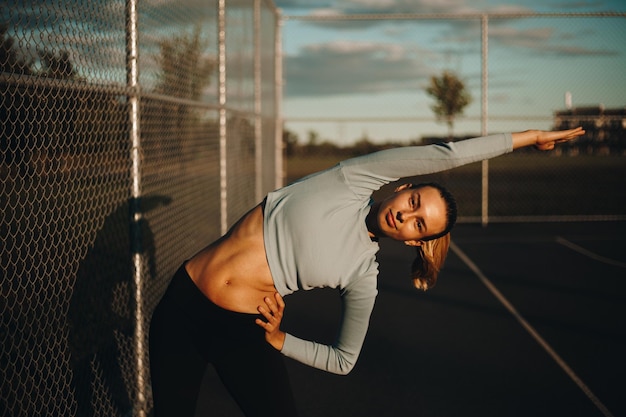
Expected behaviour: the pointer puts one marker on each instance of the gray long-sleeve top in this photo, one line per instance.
(315, 235)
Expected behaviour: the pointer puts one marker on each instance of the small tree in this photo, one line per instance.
(57, 66)
(11, 60)
(450, 96)
(185, 69)
(290, 142)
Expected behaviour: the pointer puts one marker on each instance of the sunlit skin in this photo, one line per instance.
(409, 215)
(233, 271)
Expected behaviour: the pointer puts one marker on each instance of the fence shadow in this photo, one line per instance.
(100, 315)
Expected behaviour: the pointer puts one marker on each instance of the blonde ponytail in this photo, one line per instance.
(430, 258)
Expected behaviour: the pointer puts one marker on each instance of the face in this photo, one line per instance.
(412, 214)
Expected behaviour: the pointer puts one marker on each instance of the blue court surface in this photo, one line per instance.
(526, 320)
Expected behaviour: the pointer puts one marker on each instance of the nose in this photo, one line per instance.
(402, 217)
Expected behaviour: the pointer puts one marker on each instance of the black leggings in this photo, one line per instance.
(188, 332)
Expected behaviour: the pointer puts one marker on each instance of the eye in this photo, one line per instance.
(418, 224)
(412, 201)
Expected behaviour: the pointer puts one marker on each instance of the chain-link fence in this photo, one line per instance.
(133, 133)
(523, 71)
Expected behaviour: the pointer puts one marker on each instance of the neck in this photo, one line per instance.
(371, 221)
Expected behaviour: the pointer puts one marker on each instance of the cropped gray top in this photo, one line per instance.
(315, 235)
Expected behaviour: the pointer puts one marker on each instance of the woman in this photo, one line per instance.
(224, 306)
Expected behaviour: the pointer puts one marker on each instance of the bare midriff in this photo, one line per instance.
(233, 271)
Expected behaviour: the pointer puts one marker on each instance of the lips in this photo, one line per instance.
(391, 221)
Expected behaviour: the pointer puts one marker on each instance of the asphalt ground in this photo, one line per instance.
(526, 320)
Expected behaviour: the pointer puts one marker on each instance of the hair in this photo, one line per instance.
(431, 254)
(430, 258)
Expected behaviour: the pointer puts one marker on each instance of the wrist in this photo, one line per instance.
(525, 138)
(277, 340)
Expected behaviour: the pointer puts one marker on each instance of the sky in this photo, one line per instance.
(349, 80)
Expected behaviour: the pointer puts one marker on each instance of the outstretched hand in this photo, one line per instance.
(273, 313)
(545, 140)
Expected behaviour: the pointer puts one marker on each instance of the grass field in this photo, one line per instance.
(525, 184)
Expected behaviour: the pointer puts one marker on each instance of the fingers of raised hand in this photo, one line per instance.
(570, 134)
(271, 305)
(273, 309)
(266, 325)
(279, 301)
(272, 322)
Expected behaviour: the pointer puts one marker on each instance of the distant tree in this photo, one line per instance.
(63, 105)
(44, 121)
(185, 71)
(364, 146)
(450, 96)
(13, 102)
(313, 141)
(57, 66)
(314, 138)
(290, 142)
(185, 68)
(10, 59)
(326, 148)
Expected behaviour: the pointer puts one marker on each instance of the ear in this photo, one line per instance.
(413, 242)
(403, 187)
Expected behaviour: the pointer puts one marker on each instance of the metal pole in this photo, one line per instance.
(278, 87)
(132, 81)
(485, 114)
(221, 38)
(258, 119)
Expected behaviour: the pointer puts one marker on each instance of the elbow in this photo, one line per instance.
(345, 370)
(345, 364)
(348, 370)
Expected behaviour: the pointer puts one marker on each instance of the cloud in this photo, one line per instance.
(446, 6)
(93, 33)
(541, 40)
(305, 4)
(353, 67)
(359, 67)
(329, 16)
(537, 40)
(582, 4)
(403, 6)
(346, 7)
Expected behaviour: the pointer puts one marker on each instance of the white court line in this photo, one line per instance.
(589, 254)
(605, 411)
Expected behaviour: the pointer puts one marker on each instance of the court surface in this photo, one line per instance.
(526, 320)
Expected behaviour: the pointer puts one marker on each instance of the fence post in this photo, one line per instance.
(278, 88)
(221, 58)
(258, 107)
(484, 117)
(135, 215)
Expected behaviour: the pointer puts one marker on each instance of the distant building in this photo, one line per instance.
(606, 129)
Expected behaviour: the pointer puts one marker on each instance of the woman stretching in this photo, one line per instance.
(224, 306)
